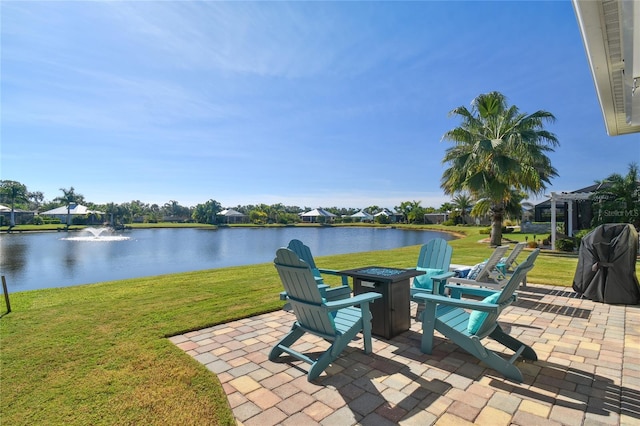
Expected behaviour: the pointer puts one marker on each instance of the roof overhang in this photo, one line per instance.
(610, 32)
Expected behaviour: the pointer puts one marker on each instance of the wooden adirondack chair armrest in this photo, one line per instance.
(459, 290)
(337, 293)
(352, 301)
(460, 303)
(345, 279)
(440, 280)
(448, 274)
(444, 276)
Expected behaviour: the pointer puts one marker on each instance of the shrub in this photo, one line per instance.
(449, 222)
(50, 220)
(532, 244)
(383, 220)
(78, 220)
(566, 244)
(37, 220)
(578, 236)
(486, 231)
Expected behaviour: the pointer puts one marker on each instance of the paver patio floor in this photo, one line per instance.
(588, 372)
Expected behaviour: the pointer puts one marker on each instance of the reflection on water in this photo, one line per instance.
(15, 259)
(42, 260)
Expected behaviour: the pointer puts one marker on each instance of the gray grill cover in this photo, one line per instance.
(606, 269)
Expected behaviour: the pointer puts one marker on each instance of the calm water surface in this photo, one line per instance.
(42, 260)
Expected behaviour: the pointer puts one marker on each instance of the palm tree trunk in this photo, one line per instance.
(496, 225)
(12, 222)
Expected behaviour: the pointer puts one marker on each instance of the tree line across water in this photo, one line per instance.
(16, 195)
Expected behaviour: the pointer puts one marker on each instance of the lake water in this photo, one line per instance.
(32, 261)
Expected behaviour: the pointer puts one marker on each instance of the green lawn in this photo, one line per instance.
(99, 354)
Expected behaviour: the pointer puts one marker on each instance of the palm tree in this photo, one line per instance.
(111, 209)
(416, 212)
(404, 208)
(69, 197)
(618, 198)
(462, 202)
(498, 149)
(512, 205)
(14, 192)
(207, 212)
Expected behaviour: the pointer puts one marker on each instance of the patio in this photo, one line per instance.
(588, 371)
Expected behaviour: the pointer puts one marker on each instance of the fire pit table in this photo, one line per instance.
(392, 312)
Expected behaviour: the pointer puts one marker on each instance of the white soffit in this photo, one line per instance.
(610, 32)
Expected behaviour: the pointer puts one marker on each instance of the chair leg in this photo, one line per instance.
(428, 326)
(501, 365)
(337, 347)
(514, 344)
(419, 310)
(474, 346)
(294, 334)
(366, 327)
(321, 364)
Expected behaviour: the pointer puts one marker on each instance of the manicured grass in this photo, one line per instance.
(99, 354)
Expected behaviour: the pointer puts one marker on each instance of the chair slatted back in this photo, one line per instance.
(514, 255)
(485, 273)
(507, 292)
(304, 252)
(435, 254)
(303, 293)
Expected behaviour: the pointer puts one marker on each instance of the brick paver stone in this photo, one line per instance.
(245, 384)
(490, 416)
(318, 411)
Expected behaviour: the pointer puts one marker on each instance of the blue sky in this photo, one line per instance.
(303, 103)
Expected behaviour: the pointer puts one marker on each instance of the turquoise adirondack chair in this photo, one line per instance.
(335, 293)
(336, 321)
(450, 316)
(434, 259)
